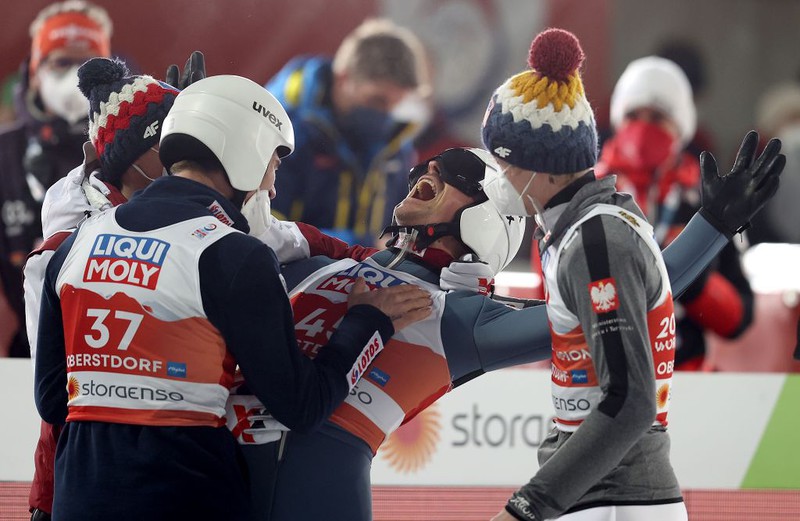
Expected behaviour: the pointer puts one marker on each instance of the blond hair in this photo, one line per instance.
(378, 49)
(205, 166)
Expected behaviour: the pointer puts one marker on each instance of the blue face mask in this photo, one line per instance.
(364, 127)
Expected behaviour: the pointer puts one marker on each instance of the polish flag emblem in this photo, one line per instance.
(604, 295)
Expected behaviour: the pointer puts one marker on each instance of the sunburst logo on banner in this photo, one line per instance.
(73, 388)
(411, 447)
(662, 396)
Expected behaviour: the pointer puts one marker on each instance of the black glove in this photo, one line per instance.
(729, 202)
(194, 70)
(797, 347)
(39, 515)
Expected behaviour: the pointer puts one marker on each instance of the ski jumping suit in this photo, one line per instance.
(466, 335)
(146, 311)
(610, 309)
(336, 460)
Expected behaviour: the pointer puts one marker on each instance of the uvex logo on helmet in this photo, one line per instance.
(267, 114)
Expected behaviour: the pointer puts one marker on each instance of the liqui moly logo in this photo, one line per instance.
(375, 278)
(120, 259)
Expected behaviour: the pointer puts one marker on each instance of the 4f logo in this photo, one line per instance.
(502, 151)
(151, 130)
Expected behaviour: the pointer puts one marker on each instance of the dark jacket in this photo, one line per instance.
(174, 472)
(35, 151)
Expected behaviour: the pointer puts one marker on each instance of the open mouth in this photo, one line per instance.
(424, 190)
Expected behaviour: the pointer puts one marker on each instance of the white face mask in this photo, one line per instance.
(503, 194)
(257, 212)
(61, 96)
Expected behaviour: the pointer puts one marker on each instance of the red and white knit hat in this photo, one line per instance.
(125, 112)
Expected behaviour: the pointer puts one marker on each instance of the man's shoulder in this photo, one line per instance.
(237, 263)
(236, 250)
(242, 243)
(295, 272)
(602, 235)
(52, 243)
(618, 229)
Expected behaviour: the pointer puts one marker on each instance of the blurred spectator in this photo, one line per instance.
(778, 115)
(438, 136)
(688, 57)
(350, 166)
(46, 140)
(435, 132)
(653, 116)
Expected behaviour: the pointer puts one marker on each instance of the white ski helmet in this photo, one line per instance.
(233, 119)
(494, 237)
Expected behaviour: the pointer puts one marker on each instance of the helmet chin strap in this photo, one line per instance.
(418, 237)
(424, 234)
(405, 241)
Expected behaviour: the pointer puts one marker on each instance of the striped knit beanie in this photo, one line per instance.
(540, 119)
(125, 113)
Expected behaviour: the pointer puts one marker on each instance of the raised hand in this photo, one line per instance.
(194, 70)
(730, 201)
